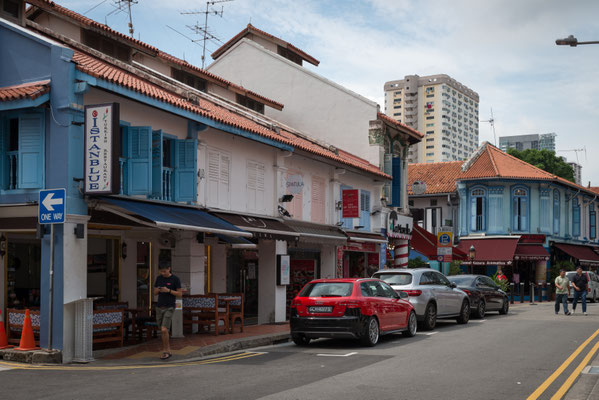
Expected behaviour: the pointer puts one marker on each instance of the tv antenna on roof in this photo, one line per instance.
(203, 29)
(491, 121)
(576, 151)
(124, 6)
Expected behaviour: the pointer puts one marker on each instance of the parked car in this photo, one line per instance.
(361, 308)
(484, 294)
(431, 294)
(592, 287)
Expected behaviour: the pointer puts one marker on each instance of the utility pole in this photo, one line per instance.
(203, 29)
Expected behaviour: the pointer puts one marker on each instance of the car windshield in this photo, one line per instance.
(327, 289)
(461, 280)
(395, 279)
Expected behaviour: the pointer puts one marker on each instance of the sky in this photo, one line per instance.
(502, 49)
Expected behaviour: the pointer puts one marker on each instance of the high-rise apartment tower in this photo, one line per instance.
(440, 107)
(545, 141)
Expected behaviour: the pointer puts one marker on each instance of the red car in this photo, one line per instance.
(360, 308)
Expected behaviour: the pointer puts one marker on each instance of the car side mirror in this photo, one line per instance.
(453, 285)
(402, 294)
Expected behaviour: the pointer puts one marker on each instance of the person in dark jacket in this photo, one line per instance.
(168, 288)
(580, 283)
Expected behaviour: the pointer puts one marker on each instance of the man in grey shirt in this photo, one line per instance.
(562, 290)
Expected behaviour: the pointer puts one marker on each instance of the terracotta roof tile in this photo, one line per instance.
(102, 70)
(252, 29)
(31, 90)
(594, 189)
(402, 127)
(439, 177)
(50, 5)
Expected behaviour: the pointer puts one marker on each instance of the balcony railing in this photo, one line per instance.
(13, 168)
(167, 183)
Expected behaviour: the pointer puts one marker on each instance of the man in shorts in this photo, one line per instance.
(168, 288)
(562, 290)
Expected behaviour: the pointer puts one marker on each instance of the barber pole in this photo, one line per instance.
(401, 253)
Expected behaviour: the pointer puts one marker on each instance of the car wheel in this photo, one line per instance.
(300, 340)
(505, 307)
(481, 309)
(371, 333)
(430, 317)
(412, 325)
(464, 313)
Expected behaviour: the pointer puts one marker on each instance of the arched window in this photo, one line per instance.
(477, 209)
(520, 209)
(556, 211)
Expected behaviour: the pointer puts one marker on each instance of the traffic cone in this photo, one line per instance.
(27, 339)
(3, 341)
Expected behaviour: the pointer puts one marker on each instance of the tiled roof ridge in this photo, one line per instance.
(252, 29)
(31, 90)
(27, 84)
(86, 63)
(437, 162)
(505, 154)
(161, 54)
(479, 152)
(398, 124)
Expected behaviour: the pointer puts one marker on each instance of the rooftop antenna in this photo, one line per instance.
(491, 121)
(123, 6)
(203, 29)
(576, 151)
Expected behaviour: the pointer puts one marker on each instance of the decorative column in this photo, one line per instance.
(401, 253)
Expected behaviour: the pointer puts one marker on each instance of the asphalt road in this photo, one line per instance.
(500, 357)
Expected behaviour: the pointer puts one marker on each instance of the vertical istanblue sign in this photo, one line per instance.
(102, 149)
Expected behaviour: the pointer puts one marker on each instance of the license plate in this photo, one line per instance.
(320, 309)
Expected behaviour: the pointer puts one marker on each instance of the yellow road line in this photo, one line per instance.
(570, 381)
(535, 395)
(126, 367)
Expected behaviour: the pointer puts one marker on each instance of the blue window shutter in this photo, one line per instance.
(524, 213)
(388, 169)
(348, 223)
(185, 170)
(31, 151)
(576, 221)
(473, 214)
(157, 165)
(365, 209)
(545, 219)
(139, 160)
(396, 186)
(3, 155)
(556, 215)
(495, 210)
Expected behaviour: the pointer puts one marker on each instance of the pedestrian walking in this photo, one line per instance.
(562, 291)
(167, 287)
(580, 283)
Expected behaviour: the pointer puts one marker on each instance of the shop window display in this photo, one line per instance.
(23, 273)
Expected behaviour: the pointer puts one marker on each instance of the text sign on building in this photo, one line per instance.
(295, 184)
(52, 206)
(351, 203)
(102, 149)
(444, 239)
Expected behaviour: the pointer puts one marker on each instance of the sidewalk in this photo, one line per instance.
(587, 385)
(195, 345)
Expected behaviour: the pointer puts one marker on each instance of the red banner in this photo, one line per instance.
(351, 203)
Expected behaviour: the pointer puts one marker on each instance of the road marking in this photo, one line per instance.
(535, 395)
(428, 333)
(5, 369)
(337, 355)
(570, 381)
(234, 357)
(477, 320)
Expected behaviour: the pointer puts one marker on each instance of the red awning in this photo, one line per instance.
(492, 251)
(531, 252)
(425, 243)
(585, 255)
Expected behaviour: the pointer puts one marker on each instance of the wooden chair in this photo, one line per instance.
(108, 326)
(129, 314)
(235, 309)
(203, 310)
(14, 325)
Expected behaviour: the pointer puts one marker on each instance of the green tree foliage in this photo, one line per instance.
(545, 160)
(454, 267)
(417, 263)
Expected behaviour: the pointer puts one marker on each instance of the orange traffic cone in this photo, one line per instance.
(3, 341)
(27, 339)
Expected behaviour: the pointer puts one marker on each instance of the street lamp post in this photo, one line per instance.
(471, 255)
(572, 42)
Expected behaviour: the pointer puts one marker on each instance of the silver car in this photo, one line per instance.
(431, 294)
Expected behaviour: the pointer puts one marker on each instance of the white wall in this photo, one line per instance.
(313, 104)
(271, 297)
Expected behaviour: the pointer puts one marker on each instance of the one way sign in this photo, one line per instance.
(52, 206)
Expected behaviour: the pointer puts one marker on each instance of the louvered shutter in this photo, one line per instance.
(186, 154)
(545, 216)
(3, 155)
(139, 160)
(388, 169)
(31, 151)
(396, 185)
(495, 209)
(318, 200)
(365, 209)
(524, 214)
(157, 184)
(213, 177)
(348, 223)
(225, 180)
(473, 214)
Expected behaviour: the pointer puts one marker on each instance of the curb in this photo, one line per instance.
(586, 386)
(32, 356)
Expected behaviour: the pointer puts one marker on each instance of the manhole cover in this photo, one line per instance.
(593, 371)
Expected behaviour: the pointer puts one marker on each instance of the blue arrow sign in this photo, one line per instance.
(52, 206)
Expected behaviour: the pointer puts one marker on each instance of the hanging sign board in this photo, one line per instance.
(102, 149)
(283, 269)
(351, 203)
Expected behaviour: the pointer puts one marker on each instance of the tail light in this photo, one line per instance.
(296, 302)
(413, 293)
(352, 308)
(589, 289)
(466, 291)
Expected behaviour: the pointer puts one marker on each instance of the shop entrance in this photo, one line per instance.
(103, 264)
(242, 277)
(524, 272)
(23, 272)
(144, 275)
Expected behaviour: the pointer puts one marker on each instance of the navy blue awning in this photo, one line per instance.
(174, 217)
(237, 242)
